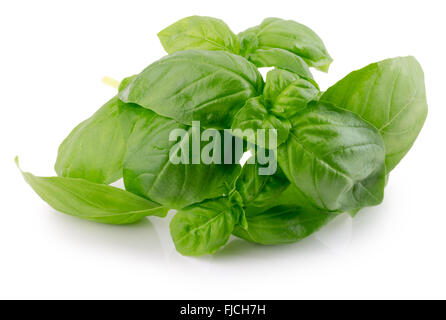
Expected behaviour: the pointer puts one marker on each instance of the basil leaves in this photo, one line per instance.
(267, 160)
(291, 36)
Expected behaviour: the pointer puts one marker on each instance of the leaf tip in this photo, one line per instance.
(16, 160)
(325, 67)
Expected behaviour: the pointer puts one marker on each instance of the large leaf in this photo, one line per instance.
(253, 117)
(205, 86)
(197, 32)
(389, 94)
(150, 172)
(283, 224)
(287, 35)
(95, 149)
(205, 227)
(92, 201)
(286, 93)
(334, 158)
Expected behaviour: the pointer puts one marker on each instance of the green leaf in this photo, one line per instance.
(150, 172)
(259, 190)
(280, 58)
(95, 149)
(353, 212)
(292, 197)
(286, 93)
(125, 82)
(92, 201)
(389, 94)
(197, 32)
(205, 86)
(334, 158)
(283, 224)
(287, 35)
(254, 116)
(205, 227)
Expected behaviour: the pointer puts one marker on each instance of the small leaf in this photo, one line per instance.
(254, 116)
(205, 227)
(286, 93)
(260, 190)
(197, 32)
(282, 59)
(287, 35)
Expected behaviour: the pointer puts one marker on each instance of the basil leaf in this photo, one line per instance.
(95, 149)
(254, 116)
(291, 197)
(389, 94)
(259, 190)
(334, 158)
(205, 86)
(353, 212)
(283, 224)
(280, 58)
(149, 171)
(286, 93)
(287, 35)
(205, 227)
(197, 32)
(92, 201)
(125, 82)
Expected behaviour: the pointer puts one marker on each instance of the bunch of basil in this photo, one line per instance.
(335, 148)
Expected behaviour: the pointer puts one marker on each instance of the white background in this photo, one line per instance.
(53, 55)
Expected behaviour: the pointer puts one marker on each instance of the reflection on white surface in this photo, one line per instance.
(139, 239)
(337, 235)
(150, 240)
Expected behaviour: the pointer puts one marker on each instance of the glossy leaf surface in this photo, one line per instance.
(287, 35)
(149, 171)
(205, 86)
(205, 227)
(389, 94)
(198, 32)
(286, 93)
(283, 224)
(93, 201)
(259, 190)
(95, 149)
(280, 58)
(254, 116)
(334, 158)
